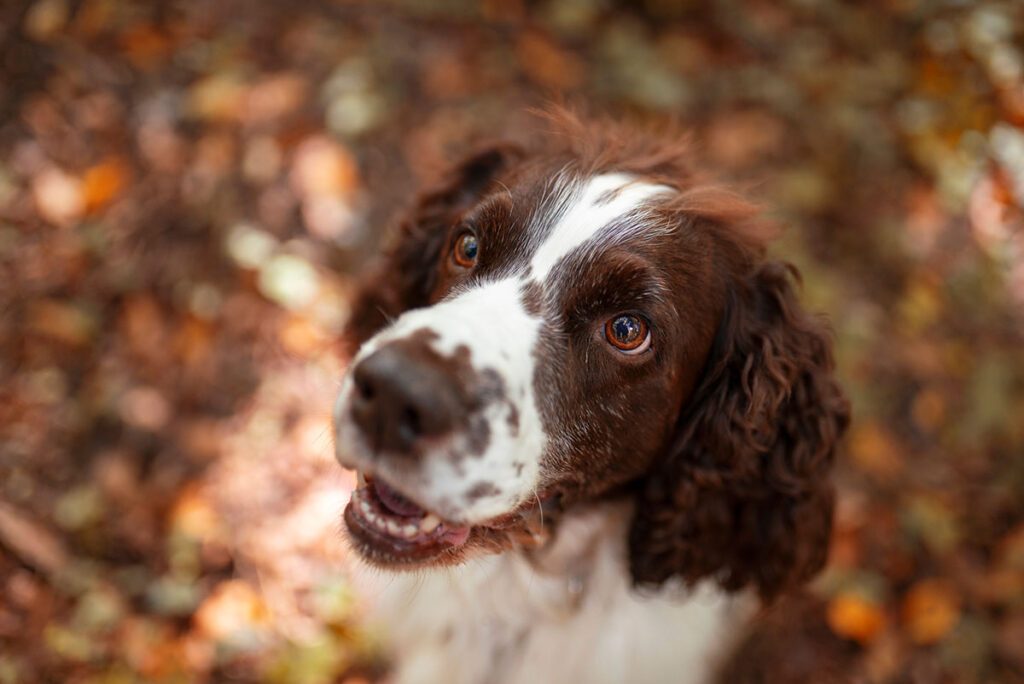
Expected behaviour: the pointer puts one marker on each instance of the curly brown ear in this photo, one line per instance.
(743, 493)
(405, 276)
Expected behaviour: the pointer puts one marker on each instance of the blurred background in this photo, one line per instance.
(189, 191)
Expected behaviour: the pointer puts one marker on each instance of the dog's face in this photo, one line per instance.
(568, 319)
(557, 328)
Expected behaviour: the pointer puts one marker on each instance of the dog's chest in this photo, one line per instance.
(569, 615)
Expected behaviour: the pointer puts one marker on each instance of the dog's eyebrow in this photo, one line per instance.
(591, 207)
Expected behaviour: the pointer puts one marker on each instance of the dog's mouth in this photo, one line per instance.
(390, 529)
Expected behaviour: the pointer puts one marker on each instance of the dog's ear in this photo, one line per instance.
(404, 278)
(743, 493)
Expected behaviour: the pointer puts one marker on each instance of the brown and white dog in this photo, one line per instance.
(592, 417)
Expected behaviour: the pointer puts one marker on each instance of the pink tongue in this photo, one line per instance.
(395, 502)
(457, 536)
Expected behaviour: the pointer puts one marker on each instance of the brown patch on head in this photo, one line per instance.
(533, 298)
(610, 414)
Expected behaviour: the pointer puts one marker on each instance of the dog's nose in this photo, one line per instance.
(402, 397)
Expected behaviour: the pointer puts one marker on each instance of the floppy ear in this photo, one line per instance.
(743, 495)
(404, 278)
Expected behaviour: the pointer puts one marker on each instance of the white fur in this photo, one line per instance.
(595, 205)
(566, 613)
(489, 321)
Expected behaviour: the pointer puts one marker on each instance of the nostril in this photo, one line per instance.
(410, 424)
(364, 389)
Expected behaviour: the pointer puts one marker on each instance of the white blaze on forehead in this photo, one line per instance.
(598, 202)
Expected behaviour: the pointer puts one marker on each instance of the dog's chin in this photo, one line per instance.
(390, 531)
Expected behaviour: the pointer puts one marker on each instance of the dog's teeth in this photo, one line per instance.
(430, 523)
(410, 531)
(365, 507)
(394, 527)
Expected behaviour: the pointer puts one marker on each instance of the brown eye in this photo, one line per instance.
(465, 251)
(628, 333)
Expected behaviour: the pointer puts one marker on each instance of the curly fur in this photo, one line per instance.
(743, 493)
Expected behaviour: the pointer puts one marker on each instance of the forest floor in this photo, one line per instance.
(189, 191)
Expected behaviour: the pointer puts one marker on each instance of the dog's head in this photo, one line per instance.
(589, 319)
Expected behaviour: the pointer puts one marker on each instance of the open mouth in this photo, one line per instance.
(390, 529)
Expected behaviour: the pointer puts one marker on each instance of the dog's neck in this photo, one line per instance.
(562, 612)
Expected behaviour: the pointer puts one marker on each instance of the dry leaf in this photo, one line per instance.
(59, 196)
(930, 610)
(854, 617)
(101, 183)
(232, 609)
(33, 543)
(875, 450)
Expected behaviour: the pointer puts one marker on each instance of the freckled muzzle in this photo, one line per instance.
(439, 408)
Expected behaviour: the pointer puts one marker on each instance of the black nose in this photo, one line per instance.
(403, 396)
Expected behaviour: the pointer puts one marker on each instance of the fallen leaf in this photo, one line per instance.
(61, 321)
(145, 408)
(875, 450)
(547, 63)
(59, 196)
(322, 167)
(102, 182)
(289, 280)
(931, 609)
(231, 610)
(146, 45)
(274, 97)
(853, 617)
(31, 541)
(219, 98)
(193, 515)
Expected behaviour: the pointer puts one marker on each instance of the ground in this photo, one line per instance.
(189, 192)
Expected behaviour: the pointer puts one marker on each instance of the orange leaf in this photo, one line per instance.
(146, 45)
(547, 63)
(102, 182)
(232, 609)
(854, 617)
(875, 451)
(930, 610)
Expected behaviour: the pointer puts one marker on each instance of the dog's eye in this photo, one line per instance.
(628, 333)
(466, 250)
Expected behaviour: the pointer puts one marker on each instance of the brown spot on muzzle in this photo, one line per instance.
(480, 490)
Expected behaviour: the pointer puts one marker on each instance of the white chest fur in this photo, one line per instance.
(566, 614)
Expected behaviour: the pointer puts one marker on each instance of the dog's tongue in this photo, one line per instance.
(457, 536)
(396, 503)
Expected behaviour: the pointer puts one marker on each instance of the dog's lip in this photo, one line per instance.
(388, 546)
(401, 533)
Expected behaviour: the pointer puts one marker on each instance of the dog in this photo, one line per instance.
(595, 425)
